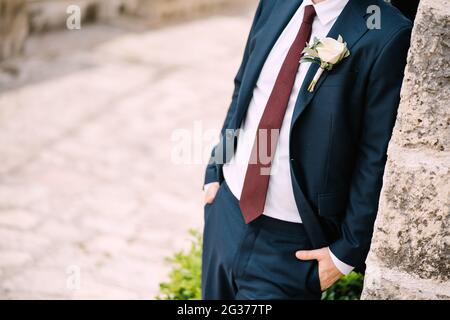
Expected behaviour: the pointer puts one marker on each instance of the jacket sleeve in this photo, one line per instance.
(382, 100)
(211, 174)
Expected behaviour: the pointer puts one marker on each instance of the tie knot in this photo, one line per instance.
(309, 15)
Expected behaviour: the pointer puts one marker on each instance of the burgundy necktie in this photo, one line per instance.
(256, 181)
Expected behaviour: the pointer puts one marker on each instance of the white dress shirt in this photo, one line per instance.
(280, 202)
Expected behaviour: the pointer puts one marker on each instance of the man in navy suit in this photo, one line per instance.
(290, 222)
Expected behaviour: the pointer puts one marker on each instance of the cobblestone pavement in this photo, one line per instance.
(86, 178)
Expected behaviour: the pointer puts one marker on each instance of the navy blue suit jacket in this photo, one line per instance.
(339, 132)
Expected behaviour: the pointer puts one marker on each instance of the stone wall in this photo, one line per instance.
(18, 17)
(13, 27)
(51, 14)
(162, 10)
(410, 254)
(46, 15)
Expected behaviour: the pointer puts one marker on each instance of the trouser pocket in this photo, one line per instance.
(313, 278)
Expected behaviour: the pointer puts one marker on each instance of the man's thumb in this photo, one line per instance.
(306, 255)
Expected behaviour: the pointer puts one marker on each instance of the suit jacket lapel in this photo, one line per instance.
(352, 26)
(280, 16)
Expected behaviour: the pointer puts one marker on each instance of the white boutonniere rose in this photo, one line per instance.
(327, 53)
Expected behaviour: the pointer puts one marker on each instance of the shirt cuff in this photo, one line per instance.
(206, 186)
(342, 267)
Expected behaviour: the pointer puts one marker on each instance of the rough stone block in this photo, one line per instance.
(13, 27)
(410, 253)
(424, 119)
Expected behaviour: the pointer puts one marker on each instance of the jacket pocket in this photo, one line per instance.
(332, 204)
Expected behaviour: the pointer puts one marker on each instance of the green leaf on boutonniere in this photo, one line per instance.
(310, 59)
(315, 44)
(310, 52)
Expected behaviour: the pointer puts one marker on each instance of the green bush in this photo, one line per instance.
(347, 288)
(184, 278)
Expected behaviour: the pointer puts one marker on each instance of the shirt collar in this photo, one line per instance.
(327, 10)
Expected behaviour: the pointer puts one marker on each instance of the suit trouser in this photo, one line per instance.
(254, 261)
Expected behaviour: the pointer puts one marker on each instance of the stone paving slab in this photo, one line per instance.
(86, 181)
